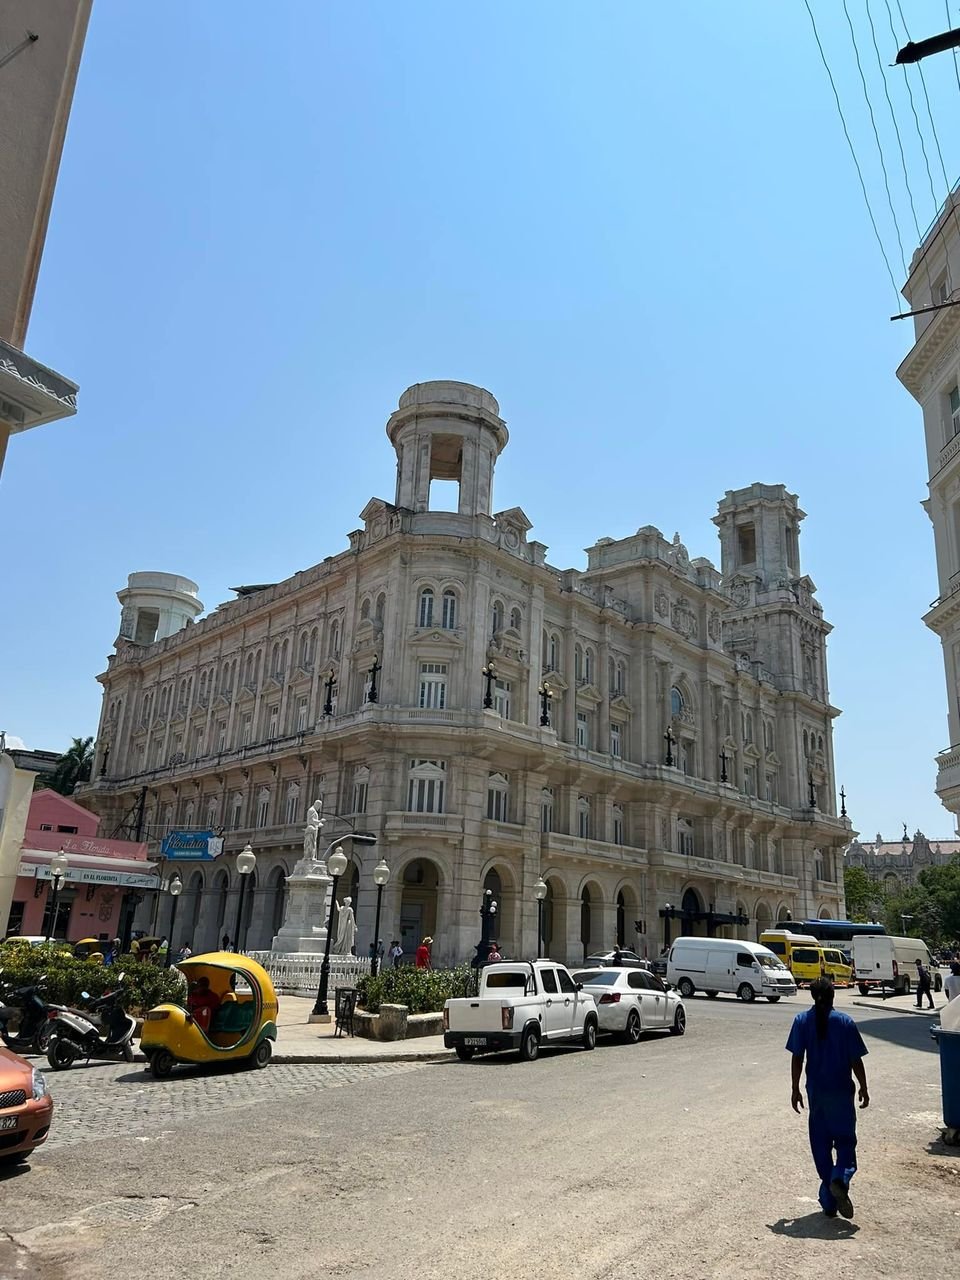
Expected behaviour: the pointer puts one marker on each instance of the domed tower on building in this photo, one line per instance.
(447, 431)
(156, 605)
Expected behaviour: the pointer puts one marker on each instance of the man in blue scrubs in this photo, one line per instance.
(834, 1053)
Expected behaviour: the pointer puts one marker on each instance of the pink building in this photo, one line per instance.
(104, 882)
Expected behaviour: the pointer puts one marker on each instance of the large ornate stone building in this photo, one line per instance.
(650, 735)
(896, 864)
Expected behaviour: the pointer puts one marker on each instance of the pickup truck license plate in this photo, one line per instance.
(8, 1122)
(475, 1042)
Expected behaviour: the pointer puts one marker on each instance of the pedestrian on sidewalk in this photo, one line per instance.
(951, 985)
(422, 958)
(494, 956)
(833, 1049)
(396, 952)
(923, 985)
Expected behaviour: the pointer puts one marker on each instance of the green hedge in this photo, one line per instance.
(144, 984)
(421, 990)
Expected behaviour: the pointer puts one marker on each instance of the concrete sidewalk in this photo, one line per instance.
(299, 1040)
(902, 1004)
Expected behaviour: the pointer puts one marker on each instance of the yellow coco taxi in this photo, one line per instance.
(229, 1014)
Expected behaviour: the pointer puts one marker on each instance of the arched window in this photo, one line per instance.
(284, 656)
(365, 610)
(335, 638)
(188, 810)
(748, 728)
(381, 607)
(449, 610)
(211, 812)
(497, 616)
(275, 659)
(806, 743)
(819, 742)
(578, 662)
(304, 658)
(425, 609)
(676, 702)
(516, 619)
(589, 662)
(236, 810)
(555, 652)
(314, 642)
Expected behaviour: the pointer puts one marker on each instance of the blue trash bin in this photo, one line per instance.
(949, 1042)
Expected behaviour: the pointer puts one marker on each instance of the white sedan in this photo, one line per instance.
(632, 1001)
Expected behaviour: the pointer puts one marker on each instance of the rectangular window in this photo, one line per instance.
(433, 685)
(359, 797)
(685, 838)
(617, 828)
(302, 710)
(273, 721)
(221, 734)
(616, 740)
(497, 806)
(293, 806)
(941, 289)
(750, 779)
(246, 728)
(46, 826)
(583, 729)
(583, 822)
(427, 784)
(501, 698)
(546, 815)
(746, 544)
(197, 743)
(263, 807)
(954, 401)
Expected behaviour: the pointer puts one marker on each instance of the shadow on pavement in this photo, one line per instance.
(11, 1168)
(939, 1148)
(814, 1226)
(903, 1030)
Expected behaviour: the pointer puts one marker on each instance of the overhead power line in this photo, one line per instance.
(853, 154)
(896, 127)
(876, 135)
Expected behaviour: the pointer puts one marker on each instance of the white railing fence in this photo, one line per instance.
(299, 975)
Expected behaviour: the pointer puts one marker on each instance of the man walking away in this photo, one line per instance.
(951, 986)
(834, 1051)
(923, 985)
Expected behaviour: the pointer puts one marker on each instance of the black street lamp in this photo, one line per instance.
(246, 861)
(723, 765)
(540, 892)
(381, 876)
(488, 913)
(813, 792)
(667, 914)
(174, 888)
(489, 675)
(58, 878)
(546, 693)
(336, 862)
(328, 700)
(671, 742)
(372, 694)
(843, 803)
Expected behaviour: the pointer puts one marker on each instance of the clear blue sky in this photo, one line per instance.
(637, 224)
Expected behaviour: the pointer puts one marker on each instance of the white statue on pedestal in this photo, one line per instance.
(310, 864)
(346, 929)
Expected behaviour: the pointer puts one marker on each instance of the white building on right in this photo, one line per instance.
(931, 373)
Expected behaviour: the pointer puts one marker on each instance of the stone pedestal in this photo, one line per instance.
(304, 928)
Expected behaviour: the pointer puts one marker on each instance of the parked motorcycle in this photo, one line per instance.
(25, 1020)
(102, 1029)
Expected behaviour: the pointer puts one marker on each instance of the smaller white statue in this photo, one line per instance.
(346, 929)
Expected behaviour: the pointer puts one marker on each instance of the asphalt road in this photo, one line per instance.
(671, 1158)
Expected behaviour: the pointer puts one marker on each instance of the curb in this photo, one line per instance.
(924, 1013)
(356, 1059)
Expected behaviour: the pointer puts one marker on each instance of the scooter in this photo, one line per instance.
(29, 1014)
(102, 1030)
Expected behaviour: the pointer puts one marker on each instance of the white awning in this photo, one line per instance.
(85, 869)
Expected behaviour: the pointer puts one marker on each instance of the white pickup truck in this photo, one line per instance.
(521, 1005)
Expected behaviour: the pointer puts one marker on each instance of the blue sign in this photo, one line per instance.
(191, 846)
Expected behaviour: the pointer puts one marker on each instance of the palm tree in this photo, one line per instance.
(72, 768)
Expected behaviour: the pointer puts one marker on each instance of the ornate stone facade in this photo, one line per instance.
(686, 759)
(896, 864)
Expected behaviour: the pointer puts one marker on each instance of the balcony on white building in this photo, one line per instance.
(30, 393)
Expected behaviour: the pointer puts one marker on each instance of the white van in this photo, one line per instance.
(727, 964)
(887, 962)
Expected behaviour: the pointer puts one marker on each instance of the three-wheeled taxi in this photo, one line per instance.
(229, 1013)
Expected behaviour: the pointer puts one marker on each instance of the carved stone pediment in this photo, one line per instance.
(555, 681)
(619, 702)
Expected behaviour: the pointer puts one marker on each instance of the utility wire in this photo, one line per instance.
(853, 154)
(956, 65)
(936, 139)
(913, 108)
(896, 127)
(876, 135)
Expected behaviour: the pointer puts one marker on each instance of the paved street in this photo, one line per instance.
(674, 1158)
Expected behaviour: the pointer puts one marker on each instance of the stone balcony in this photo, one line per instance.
(948, 778)
(445, 826)
(30, 393)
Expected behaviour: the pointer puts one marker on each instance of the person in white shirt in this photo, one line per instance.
(951, 986)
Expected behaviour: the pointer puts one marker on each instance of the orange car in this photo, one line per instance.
(26, 1107)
